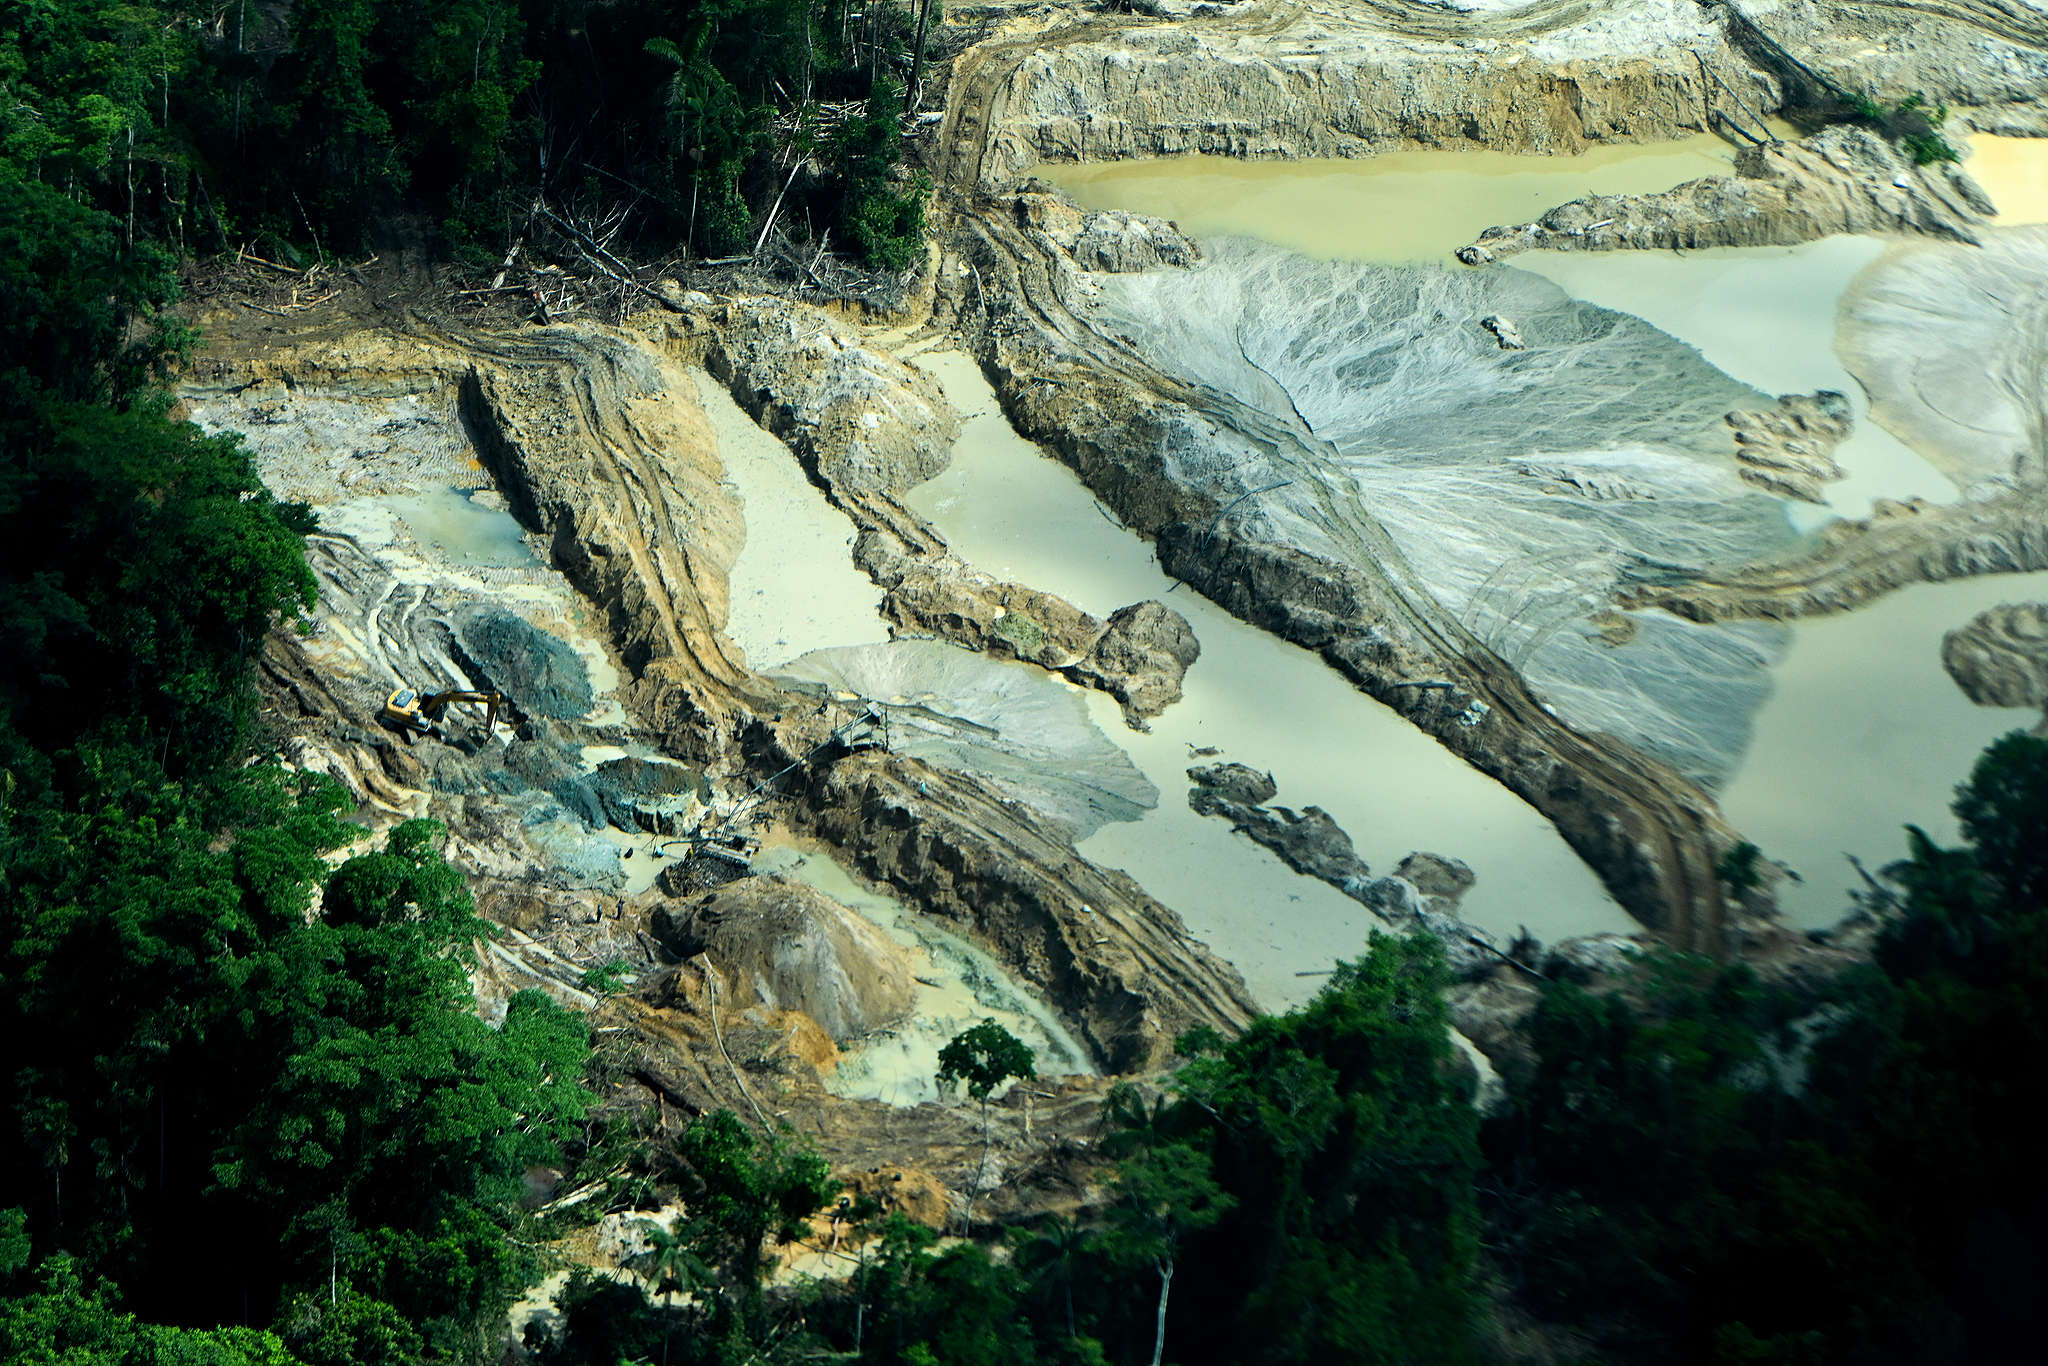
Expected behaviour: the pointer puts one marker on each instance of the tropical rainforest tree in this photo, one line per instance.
(1707, 1169)
(981, 1059)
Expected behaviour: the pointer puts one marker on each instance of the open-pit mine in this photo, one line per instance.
(1339, 467)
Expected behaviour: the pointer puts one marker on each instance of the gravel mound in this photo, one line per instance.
(542, 675)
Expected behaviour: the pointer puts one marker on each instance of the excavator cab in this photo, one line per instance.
(402, 712)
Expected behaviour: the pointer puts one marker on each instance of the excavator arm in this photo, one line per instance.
(433, 704)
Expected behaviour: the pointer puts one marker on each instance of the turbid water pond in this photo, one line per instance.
(1861, 731)
(2014, 172)
(1009, 508)
(1396, 207)
(1865, 733)
(794, 587)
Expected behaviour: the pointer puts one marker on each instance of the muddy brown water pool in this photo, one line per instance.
(1862, 730)
(1393, 208)
(2014, 171)
(794, 587)
(1252, 698)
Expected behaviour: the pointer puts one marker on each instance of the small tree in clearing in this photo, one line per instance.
(981, 1059)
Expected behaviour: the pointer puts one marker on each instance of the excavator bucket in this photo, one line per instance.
(434, 704)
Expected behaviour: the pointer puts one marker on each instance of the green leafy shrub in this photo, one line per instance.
(884, 219)
(1911, 122)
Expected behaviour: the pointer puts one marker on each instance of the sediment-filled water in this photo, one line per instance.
(1861, 730)
(1012, 510)
(1393, 208)
(794, 587)
(1866, 733)
(2014, 172)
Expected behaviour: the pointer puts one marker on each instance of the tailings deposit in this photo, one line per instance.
(1850, 728)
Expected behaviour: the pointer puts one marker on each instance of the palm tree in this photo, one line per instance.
(672, 1264)
(1055, 1249)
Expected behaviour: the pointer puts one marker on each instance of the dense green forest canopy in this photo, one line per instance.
(310, 125)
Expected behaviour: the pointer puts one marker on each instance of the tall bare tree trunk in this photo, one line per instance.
(980, 1172)
(241, 21)
(860, 1304)
(1165, 1288)
(690, 233)
(924, 15)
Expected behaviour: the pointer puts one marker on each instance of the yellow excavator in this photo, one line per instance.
(413, 713)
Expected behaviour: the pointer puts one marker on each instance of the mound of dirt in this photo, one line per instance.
(791, 947)
(2001, 658)
(542, 675)
(642, 794)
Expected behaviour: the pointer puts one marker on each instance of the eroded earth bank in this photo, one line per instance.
(1555, 539)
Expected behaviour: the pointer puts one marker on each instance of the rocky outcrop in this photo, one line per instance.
(1309, 841)
(1283, 80)
(1140, 658)
(1988, 57)
(1437, 877)
(788, 946)
(1423, 892)
(1842, 179)
(1789, 450)
(2000, 659)
(579, 427)
(862, 421)
(1504, 332)
(1853, 561)
(1126, 973)
(1112, 241)
(942, 595)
